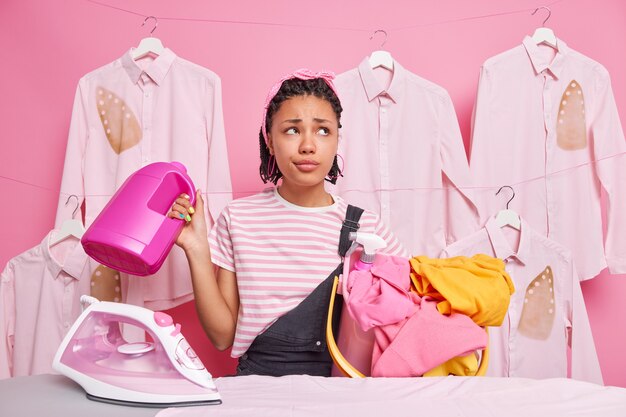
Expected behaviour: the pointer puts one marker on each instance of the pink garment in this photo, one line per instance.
(302, 74)
(128, 114)
(547, 311)
(40, 291)
(280, 252)
(380, 296)
(545, 116)
(423, 341)
(404, 156)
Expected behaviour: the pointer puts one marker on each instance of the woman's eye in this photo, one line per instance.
(324, 131)
(291, 131)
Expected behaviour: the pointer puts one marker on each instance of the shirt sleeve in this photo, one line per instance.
(609, 149)
(219, 187)
(446, 252)
(7, 321)
(221, 244)
(73, 169)
(459, 248)
(480, 168)
(461, 215)
(585, 364)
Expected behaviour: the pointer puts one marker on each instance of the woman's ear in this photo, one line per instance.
(270, 144)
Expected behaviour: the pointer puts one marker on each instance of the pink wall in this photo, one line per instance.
(46, 46)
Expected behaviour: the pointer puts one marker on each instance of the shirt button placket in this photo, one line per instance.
(146, 120)
(550, 143)
(512, 317)
(384, 158)
(68, 299)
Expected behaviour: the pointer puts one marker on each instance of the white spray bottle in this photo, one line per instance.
(371, 243)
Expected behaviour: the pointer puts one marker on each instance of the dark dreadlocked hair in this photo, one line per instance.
(292, 88)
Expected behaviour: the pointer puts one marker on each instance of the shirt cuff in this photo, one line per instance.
(616, 265)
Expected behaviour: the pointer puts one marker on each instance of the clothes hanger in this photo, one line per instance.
(543, 34)
(508, 217)
(149, 45)
(381, 58)
(70, 227)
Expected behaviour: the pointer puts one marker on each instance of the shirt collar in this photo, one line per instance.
(373, 89)
(156, 70)
(541, 62)
(73, 264)
(501, 246)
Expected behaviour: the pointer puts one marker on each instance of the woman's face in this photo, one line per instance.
(303, 139)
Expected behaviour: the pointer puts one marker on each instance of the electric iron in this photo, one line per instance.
(163, 373)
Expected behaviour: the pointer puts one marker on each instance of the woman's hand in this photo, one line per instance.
(194, 234)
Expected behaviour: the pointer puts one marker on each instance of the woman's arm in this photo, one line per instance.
(215, 292)
(216, 297)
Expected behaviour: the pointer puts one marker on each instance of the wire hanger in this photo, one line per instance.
(508, 217)
(544, 34)
(149, 45)
(70, 227)
(381, 58)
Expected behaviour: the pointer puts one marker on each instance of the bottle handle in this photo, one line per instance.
(182, 173)
(174, 182)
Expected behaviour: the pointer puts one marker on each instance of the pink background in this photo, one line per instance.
(46, 46)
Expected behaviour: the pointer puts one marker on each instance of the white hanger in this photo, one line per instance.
(381, 58)
(70, 227)
(544, 34)
(508, 217)
(150, 45)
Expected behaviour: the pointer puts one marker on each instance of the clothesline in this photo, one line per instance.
(368, 30)
(248, 192)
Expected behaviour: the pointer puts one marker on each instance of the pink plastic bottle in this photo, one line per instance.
(355, 344)
(133, 233)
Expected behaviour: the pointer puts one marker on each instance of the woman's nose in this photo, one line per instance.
(307, 145)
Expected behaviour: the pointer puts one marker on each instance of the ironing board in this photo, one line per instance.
(294, 396)
(299, 396)
(56, 395)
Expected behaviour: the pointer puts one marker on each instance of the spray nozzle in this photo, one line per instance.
(370, 242)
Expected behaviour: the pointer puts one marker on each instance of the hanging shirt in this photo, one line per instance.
(128, 114)
(546, 310)
(404, 156)
(542, 117)
(280, 253)
(39, 300)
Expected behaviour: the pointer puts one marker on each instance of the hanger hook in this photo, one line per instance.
(510, 199)
(548, 17)
(383, 31)
(77, 204)
(156, 23)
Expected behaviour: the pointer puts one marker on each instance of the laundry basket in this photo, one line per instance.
(352, 350)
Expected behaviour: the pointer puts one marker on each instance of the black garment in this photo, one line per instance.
(296, 342)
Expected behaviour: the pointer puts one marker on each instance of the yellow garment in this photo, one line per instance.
(459, 366)
(478, 287)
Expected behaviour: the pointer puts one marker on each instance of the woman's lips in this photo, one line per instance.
(306, 165)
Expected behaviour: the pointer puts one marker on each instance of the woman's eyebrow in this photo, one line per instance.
(317, 120)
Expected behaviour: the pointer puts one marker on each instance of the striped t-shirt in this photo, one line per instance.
(280, 252)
